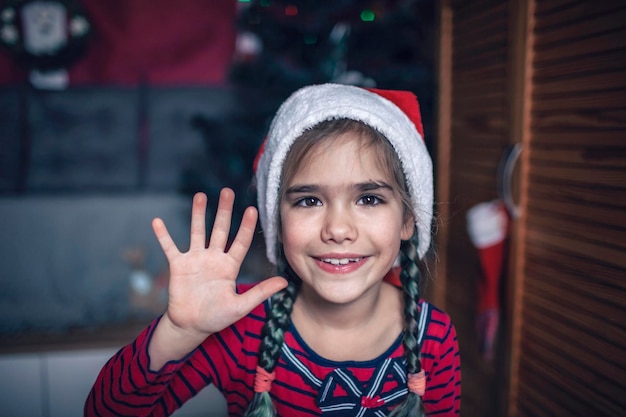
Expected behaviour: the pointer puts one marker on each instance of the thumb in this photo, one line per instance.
(262, 291)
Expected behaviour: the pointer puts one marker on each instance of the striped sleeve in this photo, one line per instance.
(127, 387)
(441, 361)
(231, 358)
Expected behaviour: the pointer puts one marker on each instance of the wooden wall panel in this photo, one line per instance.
(479, 134)
(573, 333)
(550, 74)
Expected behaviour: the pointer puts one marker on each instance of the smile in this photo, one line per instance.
(340, 261)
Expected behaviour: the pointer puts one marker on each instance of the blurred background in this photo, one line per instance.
(140, 105)
(115, 112)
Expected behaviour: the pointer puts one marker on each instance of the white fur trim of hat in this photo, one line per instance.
(314, 104)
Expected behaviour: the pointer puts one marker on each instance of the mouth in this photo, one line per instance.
(340, 261)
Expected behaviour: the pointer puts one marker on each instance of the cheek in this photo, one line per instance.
(390, 234)
(291, 230)
(294, 242)
(390, 223)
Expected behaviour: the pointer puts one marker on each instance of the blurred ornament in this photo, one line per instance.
(487, 226)
(146, 292)
(248, 46)
(46, 36)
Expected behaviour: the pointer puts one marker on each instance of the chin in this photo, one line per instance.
(341, 292)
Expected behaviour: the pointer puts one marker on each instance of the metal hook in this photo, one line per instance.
(505, 178)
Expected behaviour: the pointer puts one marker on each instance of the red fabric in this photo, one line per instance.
(491, 259)
(159, 42)
(393, 277)
(255, 163)
(407, 102)
(126, 386)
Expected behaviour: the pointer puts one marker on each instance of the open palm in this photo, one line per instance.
(202, 291)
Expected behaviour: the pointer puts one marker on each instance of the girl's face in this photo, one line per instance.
(342, 220)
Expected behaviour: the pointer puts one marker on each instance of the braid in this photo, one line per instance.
(410, 277)
(272, 335)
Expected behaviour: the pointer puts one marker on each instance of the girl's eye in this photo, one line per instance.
(308, 202)
(369, 200)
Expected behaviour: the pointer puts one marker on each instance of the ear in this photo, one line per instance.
(408, 228)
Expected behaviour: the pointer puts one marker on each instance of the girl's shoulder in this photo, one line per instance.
(433, 322)
(432, 309)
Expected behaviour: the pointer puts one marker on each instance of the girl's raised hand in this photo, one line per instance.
(202, 289)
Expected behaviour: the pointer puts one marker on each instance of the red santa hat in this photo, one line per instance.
(395, 114)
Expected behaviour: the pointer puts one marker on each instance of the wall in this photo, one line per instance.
(82, 173)
(56, 384)
(87, 170)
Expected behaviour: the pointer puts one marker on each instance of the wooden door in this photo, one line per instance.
(550, 75)
(472, 135)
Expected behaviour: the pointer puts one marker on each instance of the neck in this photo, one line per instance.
(351, 316)
(361, 330)
(340, 316)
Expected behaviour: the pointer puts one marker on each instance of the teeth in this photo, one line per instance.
(341, 261)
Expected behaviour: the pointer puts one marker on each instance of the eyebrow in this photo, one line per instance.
(373, 185)
(362, 186)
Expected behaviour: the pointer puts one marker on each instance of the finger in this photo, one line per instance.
(197, 237)
(223, 216)
(261, 292)
(245, 234)
(164, 238)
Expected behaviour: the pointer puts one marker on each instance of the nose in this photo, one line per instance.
(339, 225)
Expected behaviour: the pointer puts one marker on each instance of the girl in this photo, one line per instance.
(345, 190)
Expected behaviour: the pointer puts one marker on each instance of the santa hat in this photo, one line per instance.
(395, 114)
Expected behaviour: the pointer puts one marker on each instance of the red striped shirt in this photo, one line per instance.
(305, 383)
